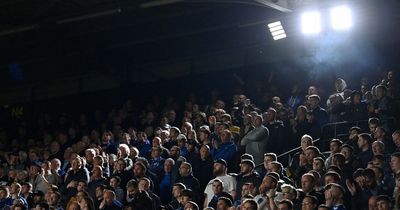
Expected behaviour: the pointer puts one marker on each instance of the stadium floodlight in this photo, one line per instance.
(341, 18)
(277, 30)
(311, 22)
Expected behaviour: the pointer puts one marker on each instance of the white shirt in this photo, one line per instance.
(229, 186)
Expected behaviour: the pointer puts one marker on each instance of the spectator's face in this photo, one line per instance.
(81, 187)
(310, 155)
(189, 206)
(267, 160)
(37, 198)
(133, 152)
(377, 148)
(203, 136)
(245, 190)
(372, 127)
(79, 196)
(225, 136)
(379, 133)
(53, 199)
(312, 90)
(396, 139)
(372, 203)
(3, 194)
(156, 142)
(106, 137)
(361, 142)
(287, 194)
(97, 172)
(383, 205)
(357, 99)
(114, 183)
(245, 168)
(54, 147)
(184, 200)
(143, 185)
(25, 189)
(221, 205)
(120, 165)
(380, 93)
(218, 169)
(317, 165)
(246, 206)
(283, 206)
(55, 164)
(168, 166)
(204, 152)
(313, 102)
(217, 187)
(258, 120)
(268, 183)
(74, 206)
(247, 120)
(138, 170)
(174, 152)
(308, 204)
(275, 168)
(108, 198)
(130, 191)
(184, 170)
(307, 184)
(334, 147)
(75, 164)
(305, 142)
(155, 153)
(329, 179)
(14, 188)
(176, 191)
(347, 153)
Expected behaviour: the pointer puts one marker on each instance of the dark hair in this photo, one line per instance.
(366, 137)
(44, 205)
(340, 143)
(347, 146)
(289, 203)
(227, 201)
(355, 128)
(180, 185)
(313, 199)
(335, 175)
(271, 154)
(253, 204)
(187, 192)
(373, 120)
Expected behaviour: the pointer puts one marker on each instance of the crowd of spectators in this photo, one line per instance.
(221, 155)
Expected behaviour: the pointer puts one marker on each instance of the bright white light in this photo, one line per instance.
(277, 30)
(341, 18)
(311, 22)
(279, 36)
(274, 24)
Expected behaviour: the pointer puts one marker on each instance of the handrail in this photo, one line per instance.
(352, 123)
(295, 149)
(288, 152)
(335, 124)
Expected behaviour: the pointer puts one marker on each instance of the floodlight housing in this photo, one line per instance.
(277, 30)
(311, 22)
(341, 18)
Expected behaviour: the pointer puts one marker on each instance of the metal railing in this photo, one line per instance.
(363, 124)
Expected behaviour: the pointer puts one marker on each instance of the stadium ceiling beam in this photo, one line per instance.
(280, 5)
